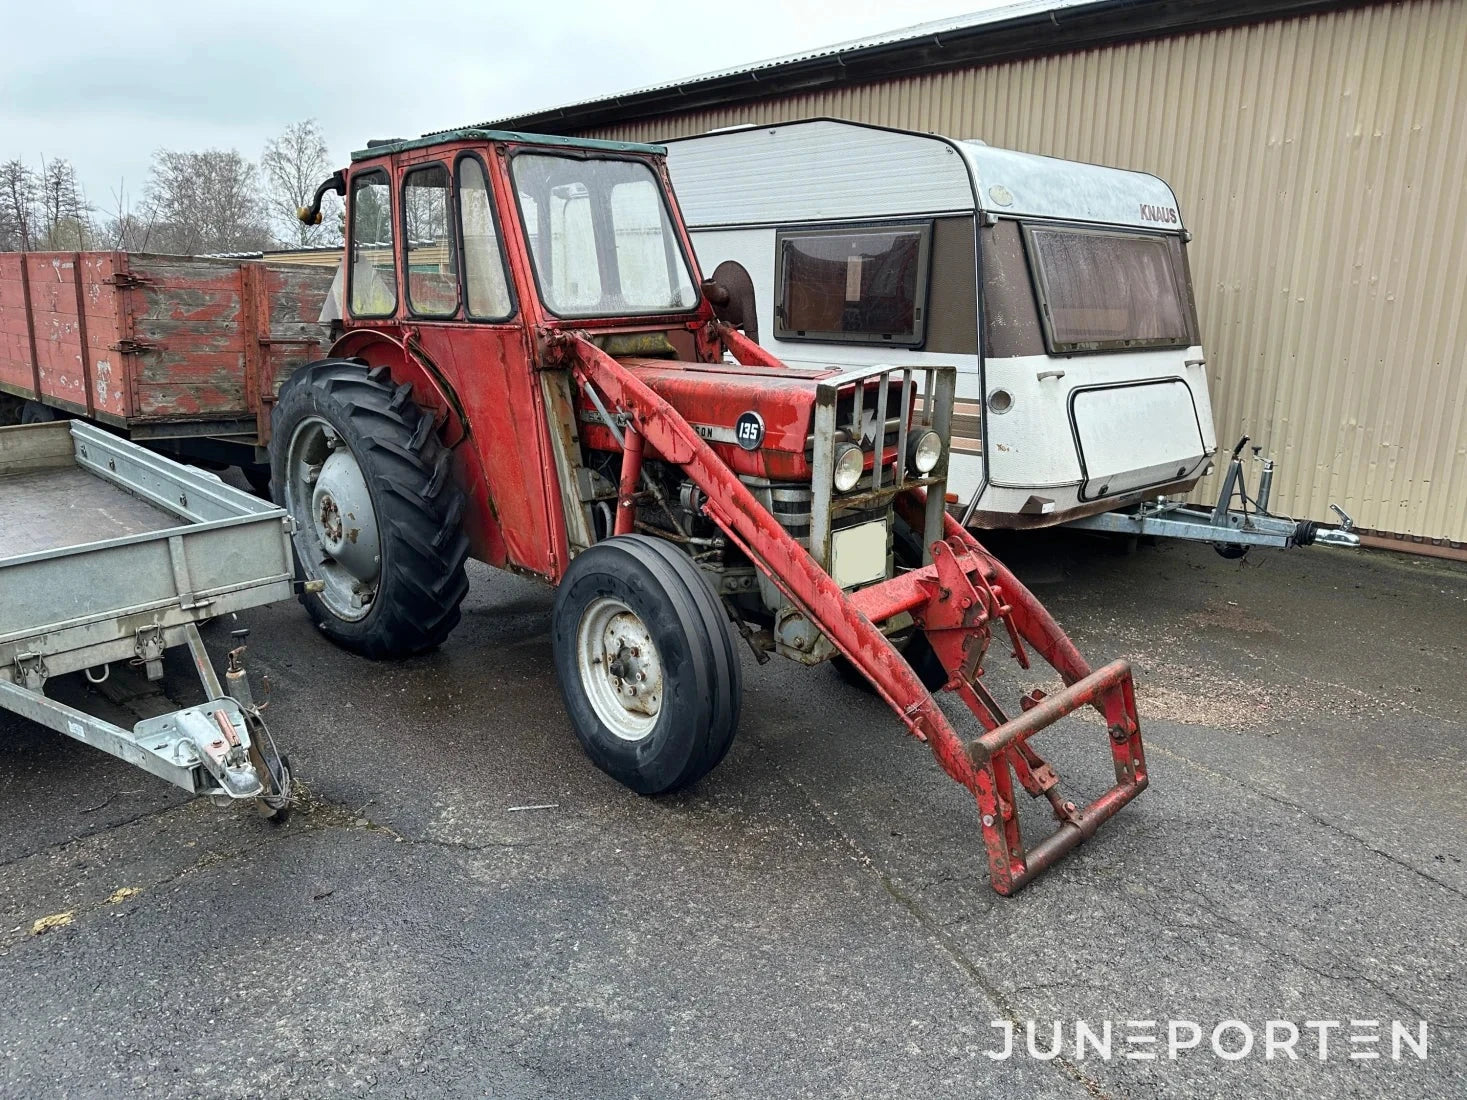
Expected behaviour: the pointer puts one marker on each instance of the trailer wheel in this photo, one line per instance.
(647, 664)
(36, 413)
(358, 466)
(257, 476)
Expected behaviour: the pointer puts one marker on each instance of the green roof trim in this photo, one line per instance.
(477, 134)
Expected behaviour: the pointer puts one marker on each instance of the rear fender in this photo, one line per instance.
(434, 394)
(430, 391)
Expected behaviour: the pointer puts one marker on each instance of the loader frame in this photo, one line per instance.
(955, 599)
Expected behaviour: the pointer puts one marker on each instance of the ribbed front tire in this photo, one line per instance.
(646, 663)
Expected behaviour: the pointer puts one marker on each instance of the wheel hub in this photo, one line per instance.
(620, 668)
(328, 520)
(336, 532)
(344, 518)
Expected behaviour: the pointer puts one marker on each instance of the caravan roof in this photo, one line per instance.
(831, 170)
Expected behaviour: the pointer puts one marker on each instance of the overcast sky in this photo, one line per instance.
(105, 84)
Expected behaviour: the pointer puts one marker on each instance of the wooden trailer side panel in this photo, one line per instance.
(186, 321)
(60, 327)
(292, 335)
(132, 338)
(212, 335)
(17, 351)
(102, 332)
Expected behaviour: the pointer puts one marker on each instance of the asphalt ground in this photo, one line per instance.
(812, 919)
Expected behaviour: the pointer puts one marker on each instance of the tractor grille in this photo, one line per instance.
(878, 408)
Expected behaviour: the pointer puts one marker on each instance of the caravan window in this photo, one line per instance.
(865, 285)
(1104, 289)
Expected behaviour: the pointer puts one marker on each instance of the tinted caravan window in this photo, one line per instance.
(1102, 289)
(864, 284)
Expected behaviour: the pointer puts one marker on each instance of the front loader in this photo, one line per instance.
(528, 371)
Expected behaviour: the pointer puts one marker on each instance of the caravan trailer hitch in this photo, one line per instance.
(1232, 531)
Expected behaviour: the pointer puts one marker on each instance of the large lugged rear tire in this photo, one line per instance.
(647, 664)
(360, 468)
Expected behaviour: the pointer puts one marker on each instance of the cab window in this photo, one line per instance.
(601, 238)
(486, 284)
(373, 274)
(432, 256)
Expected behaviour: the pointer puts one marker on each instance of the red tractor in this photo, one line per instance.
(530, 372)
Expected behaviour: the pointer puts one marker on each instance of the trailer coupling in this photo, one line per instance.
(1232, 531)
(220, 748)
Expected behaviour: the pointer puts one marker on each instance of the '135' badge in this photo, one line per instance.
(749, 430)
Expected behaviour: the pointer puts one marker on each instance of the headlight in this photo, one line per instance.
(924, 450)
(848, 463)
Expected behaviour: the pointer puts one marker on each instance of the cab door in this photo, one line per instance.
(462, 320)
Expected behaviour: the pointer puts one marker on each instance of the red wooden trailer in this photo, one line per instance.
(170, 348)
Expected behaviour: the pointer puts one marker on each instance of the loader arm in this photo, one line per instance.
(954, 599)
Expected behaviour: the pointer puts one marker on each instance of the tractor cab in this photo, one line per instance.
(529, 370)
(469, 254)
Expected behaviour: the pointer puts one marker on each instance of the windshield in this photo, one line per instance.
(600, 237)
(1101, 289)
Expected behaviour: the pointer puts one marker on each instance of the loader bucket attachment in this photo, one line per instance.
(957, 600)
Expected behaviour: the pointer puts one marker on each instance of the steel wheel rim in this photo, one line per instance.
(336, 532)
(620, 668)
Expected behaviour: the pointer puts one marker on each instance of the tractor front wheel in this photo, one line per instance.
(361, 471)
(646, 662)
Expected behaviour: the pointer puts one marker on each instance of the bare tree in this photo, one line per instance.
(66, 216)
(123, 228)
(204, 202)
(294, 164)
(20, 194)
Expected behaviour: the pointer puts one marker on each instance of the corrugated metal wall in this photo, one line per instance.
(1322, 167)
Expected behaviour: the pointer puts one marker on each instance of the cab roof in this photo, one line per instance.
(478, 134)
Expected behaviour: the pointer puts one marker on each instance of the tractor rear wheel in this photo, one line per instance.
(360, 469)
(646, 662)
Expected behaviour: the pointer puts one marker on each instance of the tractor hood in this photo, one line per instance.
(713, 397)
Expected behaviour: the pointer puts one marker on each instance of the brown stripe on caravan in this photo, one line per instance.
(967, 427)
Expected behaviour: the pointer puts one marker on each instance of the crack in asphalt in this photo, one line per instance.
(1265, 793)
(934, 929)
(62, 845)
(1239, 930)
(317, 814)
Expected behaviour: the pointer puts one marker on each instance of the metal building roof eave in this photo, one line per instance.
(1024, 29)
(483, 133)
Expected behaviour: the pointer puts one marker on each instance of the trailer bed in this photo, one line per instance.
(51, 509)
(110, 554)
(165, 347)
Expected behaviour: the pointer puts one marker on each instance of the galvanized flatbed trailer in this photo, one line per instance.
(111, 553)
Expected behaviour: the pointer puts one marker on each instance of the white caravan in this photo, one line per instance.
(1059, 289)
